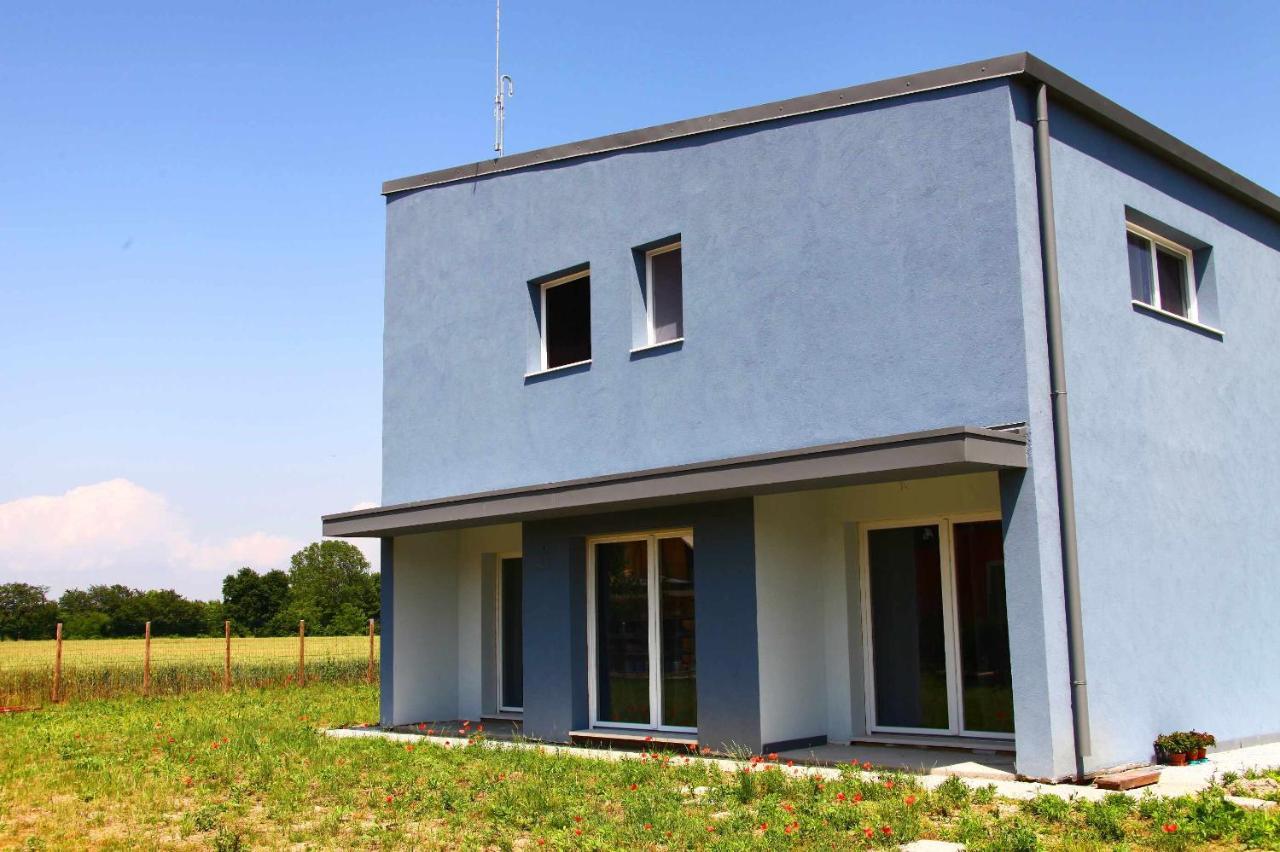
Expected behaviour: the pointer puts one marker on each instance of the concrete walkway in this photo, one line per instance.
(1174, 781)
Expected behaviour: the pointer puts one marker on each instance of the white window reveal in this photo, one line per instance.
(664, 294)
(566, 321)
(1161, 274)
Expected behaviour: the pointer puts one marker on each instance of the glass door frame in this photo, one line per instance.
(497, 654)
(950, 624)
(654, 603)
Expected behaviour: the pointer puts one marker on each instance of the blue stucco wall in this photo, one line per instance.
(555, 621)
(1177, 471)
(846, 275)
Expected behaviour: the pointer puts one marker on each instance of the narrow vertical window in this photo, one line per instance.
(566, 321)
(664, 294)
(1160, 273)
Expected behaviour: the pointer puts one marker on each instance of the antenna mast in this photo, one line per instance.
(504, 86)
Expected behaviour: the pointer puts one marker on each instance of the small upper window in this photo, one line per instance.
(664, 296)
(566, 321)
(1160, 274)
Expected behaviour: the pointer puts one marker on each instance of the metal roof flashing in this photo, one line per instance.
(1022, 66)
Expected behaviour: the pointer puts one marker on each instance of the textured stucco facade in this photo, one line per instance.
(864, 271)
(847, 275)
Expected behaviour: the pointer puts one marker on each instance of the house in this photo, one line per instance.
(753, 429)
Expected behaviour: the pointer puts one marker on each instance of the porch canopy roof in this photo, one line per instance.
(936, 452)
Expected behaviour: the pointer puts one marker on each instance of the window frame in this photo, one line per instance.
(543, 324)
(651, 330)
(1188, 273)
(950, 626)
(654, 621)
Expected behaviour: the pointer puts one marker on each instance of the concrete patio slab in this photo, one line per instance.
(992, 766)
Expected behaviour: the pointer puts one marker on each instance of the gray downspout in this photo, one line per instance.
(1061, 436)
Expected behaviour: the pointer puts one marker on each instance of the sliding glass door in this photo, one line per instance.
(936, 629)
(641, 629)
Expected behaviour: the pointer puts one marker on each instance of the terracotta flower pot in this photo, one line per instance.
(1200, 753)
(1177, 758)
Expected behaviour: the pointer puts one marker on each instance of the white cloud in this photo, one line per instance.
(120, 532)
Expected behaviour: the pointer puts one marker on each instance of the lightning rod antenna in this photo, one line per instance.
(504, 86)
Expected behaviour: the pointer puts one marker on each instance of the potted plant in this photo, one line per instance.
(1203, 742)
(1172, 748)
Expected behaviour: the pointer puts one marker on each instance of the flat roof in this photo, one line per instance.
(913, 455)
(1022, 66)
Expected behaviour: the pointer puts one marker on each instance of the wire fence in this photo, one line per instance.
(36, 672)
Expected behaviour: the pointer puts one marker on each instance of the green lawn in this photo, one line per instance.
(249, 770)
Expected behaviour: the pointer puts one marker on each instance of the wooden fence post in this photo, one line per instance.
(302, 653)
(226, 660)
(146, 659)
(57, 665)
(368, 676)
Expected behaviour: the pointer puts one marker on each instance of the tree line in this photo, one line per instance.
(328, 584)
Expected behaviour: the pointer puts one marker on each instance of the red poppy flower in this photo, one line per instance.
(764, 826)
(840, 797)
(910, 800)
(542, 841)
(578, 831)
(711, 828)
(773, 755)
(788, 808)
(866, 765)
(888, 785)
(648, 826)
(633, 786)
(577, 819)
(857, 797)
(389, 798)
(1170, 827)
(648, 739)
(886, 830)
(422, 726)
(791, 763)
(788, 829)
(869, 832)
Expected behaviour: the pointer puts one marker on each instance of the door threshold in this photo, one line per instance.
(636, 736)
(979, 744)
(504, 716)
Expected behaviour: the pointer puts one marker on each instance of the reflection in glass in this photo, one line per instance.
(986, 680)
(908, 638)
(622, 632)
(679, 669)
(512, 633)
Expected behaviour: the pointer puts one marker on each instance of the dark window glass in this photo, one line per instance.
(985, 673)
(907, 635)
(1172, 270)
(622, 632)
(1140, 269)
(668, 299)
(679, 668)
(566, 325)
(512, 633)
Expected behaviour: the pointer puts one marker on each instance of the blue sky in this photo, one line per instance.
(191, 233)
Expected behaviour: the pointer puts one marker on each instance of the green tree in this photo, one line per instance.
(254, 602)
(25, 612)
(331, 587)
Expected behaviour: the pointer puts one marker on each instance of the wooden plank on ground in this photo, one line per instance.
(1141, 777)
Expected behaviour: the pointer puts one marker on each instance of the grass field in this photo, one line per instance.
(249, 770)
(105, 668)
